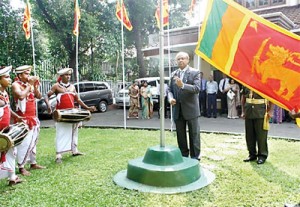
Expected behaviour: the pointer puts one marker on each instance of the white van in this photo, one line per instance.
(153, 82)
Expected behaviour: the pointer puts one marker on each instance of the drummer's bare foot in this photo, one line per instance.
(36, 167)
(24, 172)
(15, 182)
(77, 154)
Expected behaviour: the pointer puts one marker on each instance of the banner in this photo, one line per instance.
(76, 18)
(165, 14)
(257, 53)
(126, 21)
(26, 21)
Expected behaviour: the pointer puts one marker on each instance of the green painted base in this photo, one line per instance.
(163, 167)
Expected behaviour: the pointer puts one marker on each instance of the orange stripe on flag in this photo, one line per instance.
(231, 22)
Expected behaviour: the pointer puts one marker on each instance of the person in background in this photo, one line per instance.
(278, 115)
(212, 90)
(25, 90)
(134, 94)
(7, 158)
(66, 96)
(235, 101)
(183, 96)
(202, 95)
(222, 87)
(147, 103)
(256, 111)
(165, 99)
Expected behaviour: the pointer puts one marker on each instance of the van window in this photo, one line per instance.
(89, 87)
(81, 88)
(152, 83)
(100, 86)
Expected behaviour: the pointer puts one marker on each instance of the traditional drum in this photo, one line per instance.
(13, 136)
(71, 115)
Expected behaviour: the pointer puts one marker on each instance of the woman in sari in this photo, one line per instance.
(147, 103)
(234, 101)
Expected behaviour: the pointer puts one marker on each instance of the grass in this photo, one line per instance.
(88, 180)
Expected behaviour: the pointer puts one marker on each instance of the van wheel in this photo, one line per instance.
(102, 106)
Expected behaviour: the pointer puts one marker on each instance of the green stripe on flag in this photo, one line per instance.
(213, 27)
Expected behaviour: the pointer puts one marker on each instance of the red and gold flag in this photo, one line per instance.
(165, 14)
(126, 21)
(257, 53)
(76, 18)
(26, 21)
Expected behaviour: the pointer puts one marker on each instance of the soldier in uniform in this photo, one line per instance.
(256, 111)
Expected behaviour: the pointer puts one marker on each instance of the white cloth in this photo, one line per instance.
(26, 151)
(21, 105)
(7, 169)
(66, 137)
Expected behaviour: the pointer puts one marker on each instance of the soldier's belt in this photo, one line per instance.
(255, 101)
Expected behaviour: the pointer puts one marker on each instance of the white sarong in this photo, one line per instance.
(26, 151)
(7, 169)
(66, 137)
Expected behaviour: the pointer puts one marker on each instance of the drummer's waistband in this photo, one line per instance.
(256, 101)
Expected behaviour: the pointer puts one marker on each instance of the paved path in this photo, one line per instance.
(114, 118)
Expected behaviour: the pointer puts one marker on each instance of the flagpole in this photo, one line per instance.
(169, 58)
(77, 75)
(32, 42)
(123, 69)
(162, 85)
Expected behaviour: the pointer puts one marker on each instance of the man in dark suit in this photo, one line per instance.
(183, 96)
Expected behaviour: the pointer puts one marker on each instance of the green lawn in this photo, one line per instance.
(88, 180)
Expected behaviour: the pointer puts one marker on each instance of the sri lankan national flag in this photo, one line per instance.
(26, 21)
(76, 18)
(165, 12)
(252, 50)
(126, 21)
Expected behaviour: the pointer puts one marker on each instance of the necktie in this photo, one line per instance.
(223, 87)
(181, 74)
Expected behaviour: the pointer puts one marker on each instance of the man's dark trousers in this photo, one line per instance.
(194, 136)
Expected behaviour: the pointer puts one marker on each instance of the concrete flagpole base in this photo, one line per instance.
(164, 170)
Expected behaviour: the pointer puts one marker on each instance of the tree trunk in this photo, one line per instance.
(139, 54)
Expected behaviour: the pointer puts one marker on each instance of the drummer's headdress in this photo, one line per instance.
(5, 70)
(64, 71)
(22, 69)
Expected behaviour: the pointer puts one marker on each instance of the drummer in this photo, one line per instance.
(8, 158)
(25, 89)
(66, 96)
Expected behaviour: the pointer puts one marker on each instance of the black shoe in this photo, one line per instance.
(260, 161)
(249, 159)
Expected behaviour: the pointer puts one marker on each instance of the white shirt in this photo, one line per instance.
(211, 87)
(222, 82)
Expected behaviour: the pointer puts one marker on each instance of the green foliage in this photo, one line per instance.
(88, 180)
